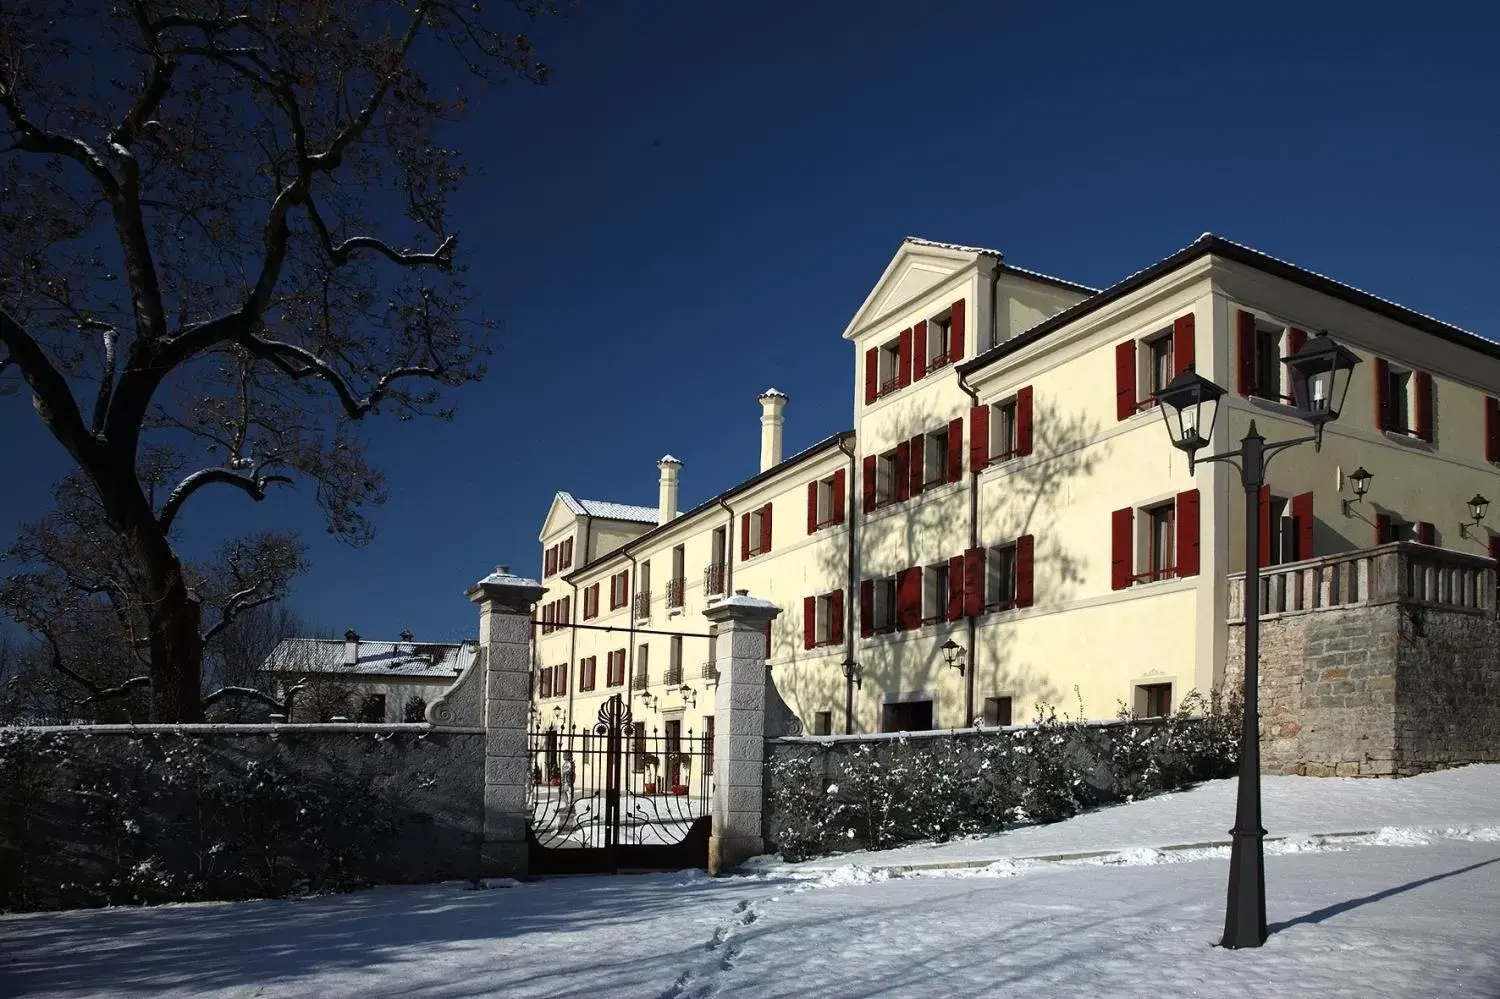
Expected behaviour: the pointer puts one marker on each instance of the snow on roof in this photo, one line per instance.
(939, 244)
(1025, 272)
(606, 510)
(432, 660)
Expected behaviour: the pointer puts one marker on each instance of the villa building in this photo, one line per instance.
(1007, 500)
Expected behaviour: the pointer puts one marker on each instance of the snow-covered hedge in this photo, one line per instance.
(91, 819)
(836, 795)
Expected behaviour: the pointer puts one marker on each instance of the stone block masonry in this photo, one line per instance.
(1378, 663)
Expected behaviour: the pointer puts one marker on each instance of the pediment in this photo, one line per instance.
(560, 517)
(916, 269)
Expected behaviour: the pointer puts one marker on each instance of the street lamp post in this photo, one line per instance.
(852, 678)
(1320, 381)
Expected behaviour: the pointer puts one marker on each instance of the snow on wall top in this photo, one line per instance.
(432, 660)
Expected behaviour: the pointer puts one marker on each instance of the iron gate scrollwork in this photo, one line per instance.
(617, 797)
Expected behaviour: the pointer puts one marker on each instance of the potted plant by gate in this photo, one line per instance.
(650, 763)
(679, 768)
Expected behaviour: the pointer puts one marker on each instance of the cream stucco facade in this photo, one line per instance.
(1060, 551)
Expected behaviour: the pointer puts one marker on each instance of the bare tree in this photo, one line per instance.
(236, 657)
(225, 243)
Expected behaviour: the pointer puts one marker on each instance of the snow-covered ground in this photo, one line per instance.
(1407, 909)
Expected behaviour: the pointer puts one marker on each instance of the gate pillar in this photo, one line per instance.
(505, 603)
(739, 730)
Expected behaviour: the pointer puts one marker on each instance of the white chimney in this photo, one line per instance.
(351, 647)
(772, 402)
(666, 504)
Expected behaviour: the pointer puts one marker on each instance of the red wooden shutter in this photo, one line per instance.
(744, 536)
(1125, 380)
(869, 482)
(1424, 406)
(544, 687)
(1495, 547)
(1246, 325)
(903, 360)
(1265, 526)
(918, 463)
(560, 685)
(567, 611)
(1189, 556)
(867, 607)
(1184, 349)
(1025, 572)
(809, 622)
(836, 617)
(1382, 528)
(812, 506)
(903, 470)
(919, 351)
(979, 438)
(1121, 545)
(1023, 421)
(872, 375)
(1383, 394)
(956, 334)
(955, 587)
(840, 486)
(1426, 533)
(624, 587)
(909, 598)
(955, 449)
(974, 582)
(1302, 516)
(765, 528)
(1491, 428)
(1295, 340)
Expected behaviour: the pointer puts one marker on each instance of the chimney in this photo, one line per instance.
(772, 403)
(666, 505)
(351, 647)
(406, 637)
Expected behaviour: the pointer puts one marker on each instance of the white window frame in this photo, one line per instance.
(825, 507)
(888, 367)
(935, 589)
(1148, 573)
(1149, 375)
(884, 602)
(823, 619)
(935, 457)
(1005, 423)
(940, 340)
(999, 592)
(885, 477)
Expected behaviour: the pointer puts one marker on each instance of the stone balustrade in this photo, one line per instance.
(1400, 572)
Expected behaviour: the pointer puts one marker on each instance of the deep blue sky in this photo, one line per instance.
(695, 206)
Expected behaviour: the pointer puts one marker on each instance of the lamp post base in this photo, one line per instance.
(1245, 915)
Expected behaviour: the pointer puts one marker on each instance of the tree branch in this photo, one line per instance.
(237, 605)
(298, 363)
(52, 398)
(35, 140)
(339, 253)
(249, 692)
(253, 485)
(106, 378)
(158, 82)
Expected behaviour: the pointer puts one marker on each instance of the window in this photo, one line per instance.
(372, 708)
(591, 602)
(825, 509)
(935, 458)
(884, 604)
(1282, 544)
(1153, 700)
(708, 744)
(906, 716)
(940, 341)
(823, 723)
(889, 376)
(825, 614)
(1157, 350)
(615, 669)
(677, 585)
(549, 562)
(565, 556)
(544, 682)
(1161, 541)
(1398, 401)
(642, 668)
(755, 532)
(885, 478)
(674, 660)
(559, 679)
(997, 711)
(1000, 586)
(1003, 426)
(619, 590)
(588, 667)
(935, 593)
(1267, 376)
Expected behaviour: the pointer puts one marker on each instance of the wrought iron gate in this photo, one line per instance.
(615, 797)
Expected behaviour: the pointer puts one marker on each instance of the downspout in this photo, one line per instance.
(728, 550)
(635, 581)
(575, 610)
(850, 590)
(973, 543)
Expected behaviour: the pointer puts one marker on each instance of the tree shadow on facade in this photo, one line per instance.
(1017, 497)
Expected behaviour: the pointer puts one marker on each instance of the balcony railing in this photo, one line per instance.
(639, 681)
(674, 676)
(713, 579)
(709, 671)
(1400, 572)
(642, 606)
(676, 590)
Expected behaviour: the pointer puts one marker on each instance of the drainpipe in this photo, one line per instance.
(973, 395)
(575, 609)
(850, 590)
(635, 582)
(728, 550)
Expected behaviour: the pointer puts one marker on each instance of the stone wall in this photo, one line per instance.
(108, 814)
(1383, 662)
